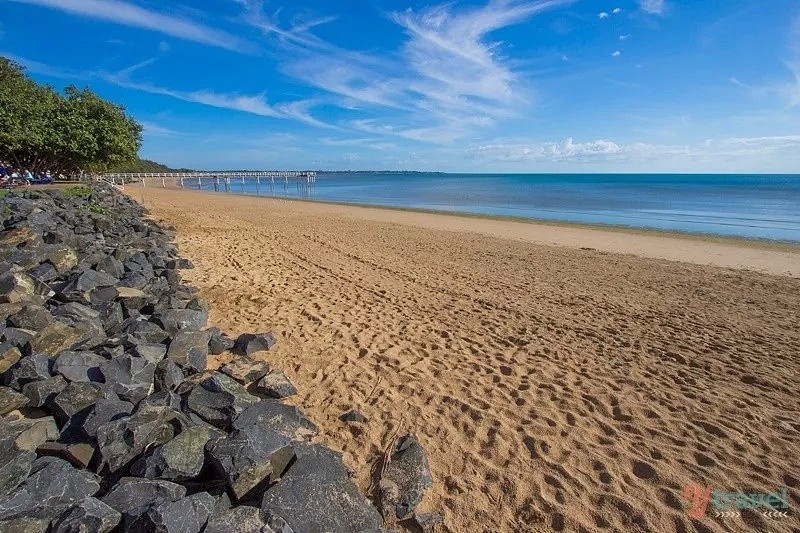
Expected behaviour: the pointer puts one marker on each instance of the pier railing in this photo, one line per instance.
(198, 177)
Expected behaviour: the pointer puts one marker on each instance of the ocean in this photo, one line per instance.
(751, 206)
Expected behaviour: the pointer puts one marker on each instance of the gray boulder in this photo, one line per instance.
(106, 409)
(180, 459)
(406, 478)
(317, 494)
(241, 519)
(27, 369)
(20, 287)
(141, 331)
(133, 496)
(74, 399)
(25, 525)
(219, 399)
(122, 441)
(9, 355)
(90, 516)
(189, 350)
(175, 320)
(54, 339)
(32, 317)
(11, 400)
(52, 486)
(284, 419)
(219, 342)
(15, 464)
(168, 376)
(187, 515)
(353, 415)
(131, 378)
(250, 343)
(154, 353)
(250, 458)
(80, 366)
(30, 433)
(275, 385)
(245, 370)
(41, 392)
(78, 454)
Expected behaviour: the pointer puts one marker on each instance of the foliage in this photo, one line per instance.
(81, 191)
(41, 129)
(144, 165)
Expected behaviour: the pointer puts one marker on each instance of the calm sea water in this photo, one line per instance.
(754, 206)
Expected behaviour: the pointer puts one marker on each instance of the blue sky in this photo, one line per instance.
(473, 86)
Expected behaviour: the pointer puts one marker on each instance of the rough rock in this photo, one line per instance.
(249, 458)
(168, 376)
(54, 339)
(11, 400)
(74, 399)
(154, 353)
(133, 496)
(175, 320)
(30, 433)
(180, 459)
(189, 349)
(90, 516)
(428, 522)
(123, 440)
(9, 355)
(317, 494)
(25, 525)
(242, 519)
(52, 486)
(219, 342)
(20, 287)
(284, 419)
(31, 316)
(219, 399)
(41, 392)
(131, 378)
(275, 385)
(105, 410)
(30, 368)
(146, 332)
(187, 515)
(77, 454)
(250, 343)
(245, 370)
(15, 465)
(406, 478)
(353, 415)
(80, 366)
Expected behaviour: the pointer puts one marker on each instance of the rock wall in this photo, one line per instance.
(111, 420)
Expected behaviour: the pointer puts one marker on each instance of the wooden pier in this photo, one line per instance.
(195, 179)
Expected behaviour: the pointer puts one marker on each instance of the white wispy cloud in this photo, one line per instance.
(616, 53)
(603, 150)
(128, 14)
(617, 10)
(654, 7)
(448, 80)
(156, 130)
(624, 36)
(602, 15)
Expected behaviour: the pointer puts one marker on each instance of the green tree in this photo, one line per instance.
(41, 129)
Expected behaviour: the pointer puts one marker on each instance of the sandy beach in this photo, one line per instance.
(560, 377)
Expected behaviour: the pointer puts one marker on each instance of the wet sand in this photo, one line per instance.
(554, 387)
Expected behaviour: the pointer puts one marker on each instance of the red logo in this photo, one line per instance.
(699, 498)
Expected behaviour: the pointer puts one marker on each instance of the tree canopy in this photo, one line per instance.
(144, 165)
(41, 129)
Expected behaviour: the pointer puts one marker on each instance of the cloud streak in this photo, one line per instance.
(128, 14)
(603, 150)
(654, 7)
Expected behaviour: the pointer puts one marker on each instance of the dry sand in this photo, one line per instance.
(553, 387)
